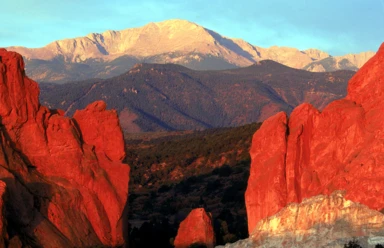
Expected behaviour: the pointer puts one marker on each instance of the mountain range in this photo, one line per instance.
(174, 41)
(158, 97)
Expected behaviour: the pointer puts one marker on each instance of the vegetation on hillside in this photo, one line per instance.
(171, 175)
(171, 97)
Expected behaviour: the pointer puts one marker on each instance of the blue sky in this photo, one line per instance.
(335, 26)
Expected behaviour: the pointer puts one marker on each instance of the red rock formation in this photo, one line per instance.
(315, 153)
(68, 185)
(268, 181)
(101, 129)
(196, 229)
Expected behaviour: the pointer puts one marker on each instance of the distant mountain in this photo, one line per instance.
(347, 62)
(153, 97)
(174, 41)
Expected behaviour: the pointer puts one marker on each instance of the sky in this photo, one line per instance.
(335, 26)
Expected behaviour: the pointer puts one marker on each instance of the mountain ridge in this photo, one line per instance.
(172, 41)
(154, 97)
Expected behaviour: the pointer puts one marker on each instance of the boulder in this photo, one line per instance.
(196, 229)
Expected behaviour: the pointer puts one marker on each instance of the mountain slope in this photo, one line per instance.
(152, 97)
(173, 41)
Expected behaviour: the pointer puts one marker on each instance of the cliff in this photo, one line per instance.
(313, 153)
(65, 181)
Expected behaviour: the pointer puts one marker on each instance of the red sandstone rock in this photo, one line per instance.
(268, 179)
(101, 128)
(67, 184)
(340, 148)
(196, 229)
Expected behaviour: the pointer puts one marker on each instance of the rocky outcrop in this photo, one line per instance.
(312, 153)
(267, 184)
(196, 229)
(319, 221)
(66, 183)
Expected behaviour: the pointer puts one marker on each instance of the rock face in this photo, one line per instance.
(196, 229)
(319, 221)
(312, 153)
(66, 183)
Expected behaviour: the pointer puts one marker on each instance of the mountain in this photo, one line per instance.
(315, 153)
(174, 41)
(62, 179)
(347, 62)
(153, 97)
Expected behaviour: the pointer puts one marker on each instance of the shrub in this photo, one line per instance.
(354, 243)
(225, 171)
(164, 188)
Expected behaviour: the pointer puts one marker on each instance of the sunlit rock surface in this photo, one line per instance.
(66, 185)
(196, 229)
(319, 221)
(313, 153)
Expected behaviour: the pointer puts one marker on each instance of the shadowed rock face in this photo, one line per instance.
(66, 183)
(3, 221)
(312, 153)
(196, 229)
